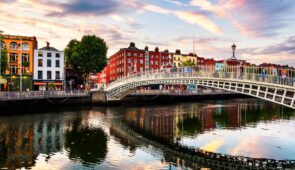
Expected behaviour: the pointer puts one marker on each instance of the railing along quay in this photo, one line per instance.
(28, 95)
(205, 158)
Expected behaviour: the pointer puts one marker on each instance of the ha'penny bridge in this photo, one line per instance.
(272, 84)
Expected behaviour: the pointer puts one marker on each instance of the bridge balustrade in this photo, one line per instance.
(284, 77)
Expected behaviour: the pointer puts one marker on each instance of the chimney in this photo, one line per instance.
(132, 45)
(146, 48)
(156, 49)
(47, 44)
(177, 51)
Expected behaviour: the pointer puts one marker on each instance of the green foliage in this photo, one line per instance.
(51, 86)
(87, 56)
(4, 62)
(188, 63)
(25, 64)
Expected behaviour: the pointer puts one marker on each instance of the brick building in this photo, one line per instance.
(134, 60)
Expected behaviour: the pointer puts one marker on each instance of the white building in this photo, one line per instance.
(48, 68)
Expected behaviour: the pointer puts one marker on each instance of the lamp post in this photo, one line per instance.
(21, 68)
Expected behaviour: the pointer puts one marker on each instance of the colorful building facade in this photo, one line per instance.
(180, 59)
(20, 54)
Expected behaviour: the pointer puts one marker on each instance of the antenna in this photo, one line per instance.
(194, 50)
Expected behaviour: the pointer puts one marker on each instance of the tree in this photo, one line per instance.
(87, 56)
(4, 62)
(188, 63)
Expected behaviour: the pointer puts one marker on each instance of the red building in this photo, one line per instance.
(133, 60)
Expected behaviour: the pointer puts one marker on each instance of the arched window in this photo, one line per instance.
(2, 44)
(25, 46)
(13, 46)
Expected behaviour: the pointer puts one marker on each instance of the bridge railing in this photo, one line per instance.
(254, 74)
(17, 95)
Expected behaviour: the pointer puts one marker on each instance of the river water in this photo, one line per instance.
(92, 138)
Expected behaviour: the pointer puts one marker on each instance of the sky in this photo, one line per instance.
(263, 30)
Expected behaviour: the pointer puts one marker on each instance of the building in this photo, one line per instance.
(20, 53)
(48, 68)
(132, 60)
(180, 59)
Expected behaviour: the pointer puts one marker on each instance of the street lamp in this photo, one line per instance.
(21, 68)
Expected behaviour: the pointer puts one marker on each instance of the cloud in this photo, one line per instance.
(199, 19)
(191, 17)
(253, 18)
(287, 47)
(88, 7)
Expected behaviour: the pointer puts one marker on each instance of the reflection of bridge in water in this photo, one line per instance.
(197, 158)
(265, 85)
(163, 127)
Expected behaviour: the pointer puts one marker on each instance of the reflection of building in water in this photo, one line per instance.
(21, 143)
(48, 137)
(16, 148)
(159, 124)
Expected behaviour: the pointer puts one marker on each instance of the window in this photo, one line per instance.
(13, 57)
(40, 54)
(135, 54)
(2, 44)
(57, 63)
(57, 55)
(13, 69)
(25, 46)
(49, 75)
(129, 60)
(48, 54)
(25, 57)
(141, 69)
(141, 61)
(40, 75)
(57, 75)
(156, 63)
(134, 61)
(48, 63)
(141, 55)
(152, 62)
(40, 63)
(13, 46)
(129, 54)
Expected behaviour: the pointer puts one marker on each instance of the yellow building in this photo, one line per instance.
(179, 58)
(20, 53)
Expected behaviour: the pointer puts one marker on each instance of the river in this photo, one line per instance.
(91, 137)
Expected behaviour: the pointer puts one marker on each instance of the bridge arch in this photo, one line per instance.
(247, 84)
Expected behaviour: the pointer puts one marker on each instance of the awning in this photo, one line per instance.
(46, 83)
(40, 83)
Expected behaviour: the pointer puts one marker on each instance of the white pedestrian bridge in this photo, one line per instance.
(271, 84)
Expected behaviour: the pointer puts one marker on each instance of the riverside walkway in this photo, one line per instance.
(33, 95)
(274, 85)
